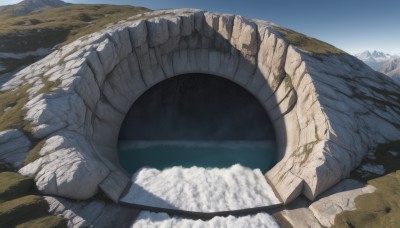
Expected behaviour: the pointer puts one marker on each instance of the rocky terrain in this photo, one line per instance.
(60, 117)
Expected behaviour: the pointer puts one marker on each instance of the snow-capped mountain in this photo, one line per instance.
(392, 69)
(375, 59)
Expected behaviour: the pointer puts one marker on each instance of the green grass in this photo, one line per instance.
(33, 154)
(48, 86)
(20, 206)
(288, 82)
(58, 25)
(307, 43)
(50, 27)
(11, 108)
(382, 207)
(20, 209)
(378, 209)
(13, 185)
(48, 221)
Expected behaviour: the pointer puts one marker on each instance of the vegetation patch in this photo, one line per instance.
(382, 207)
(11, 108)
(48, 86)
(50, 27)
(378, 209)
(14, 185)
(48, 221)
(33, 154)
(288, 82)
(24, 208)
(20, 205)
(307, 43)
(47, 28)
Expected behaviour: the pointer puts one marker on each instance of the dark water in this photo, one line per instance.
(196, 120)
(134, 154)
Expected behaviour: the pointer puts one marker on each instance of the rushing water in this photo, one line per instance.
(135, 154)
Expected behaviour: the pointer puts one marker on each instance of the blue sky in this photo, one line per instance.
(351, 25)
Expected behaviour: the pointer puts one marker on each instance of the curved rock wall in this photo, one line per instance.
(327, 109)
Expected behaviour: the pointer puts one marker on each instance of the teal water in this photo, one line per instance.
(135, 154)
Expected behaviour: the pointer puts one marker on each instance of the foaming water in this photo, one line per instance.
(149, 219)
(201, 189)
(135, 154)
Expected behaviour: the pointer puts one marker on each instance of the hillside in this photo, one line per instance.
(25, 39)
(28, 6)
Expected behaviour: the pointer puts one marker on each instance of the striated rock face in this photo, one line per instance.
(327, 107)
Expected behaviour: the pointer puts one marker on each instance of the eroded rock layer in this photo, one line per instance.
(328, 108)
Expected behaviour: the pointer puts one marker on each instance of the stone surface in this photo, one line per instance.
(64, 170)
(328, 110)
(96, 213)
(322, 212)
(337, 199)
(298, 215)
(14, 147)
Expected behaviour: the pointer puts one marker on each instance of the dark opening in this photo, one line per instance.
(196, 120)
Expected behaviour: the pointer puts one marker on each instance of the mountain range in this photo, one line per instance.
(392, 69)
(375, 59)
(383, 62)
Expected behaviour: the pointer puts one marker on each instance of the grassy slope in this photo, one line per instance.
(62, 25)
(307, 43)
(382, 207)
(47, 28)
(20, 206)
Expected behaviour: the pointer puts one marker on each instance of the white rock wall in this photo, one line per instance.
(323, 125)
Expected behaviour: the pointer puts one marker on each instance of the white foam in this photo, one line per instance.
(201, 190)
(149, 219)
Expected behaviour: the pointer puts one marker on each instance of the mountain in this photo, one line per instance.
(375, 59)
(28, 6)
(392, 69)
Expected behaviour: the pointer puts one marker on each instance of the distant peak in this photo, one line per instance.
(43, 3)
(27, 6)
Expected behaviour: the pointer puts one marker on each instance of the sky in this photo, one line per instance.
(351, 25)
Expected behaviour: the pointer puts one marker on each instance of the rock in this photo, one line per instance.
(225, 26)
(328, 110)
(96, 213)
(158, 31)
(337, 199)
(138, 33)
(63, 170)
(14, 147)
(298, 215)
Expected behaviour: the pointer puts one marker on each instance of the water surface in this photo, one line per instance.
(135, 154)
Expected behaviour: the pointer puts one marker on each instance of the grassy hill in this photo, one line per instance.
(49, 27)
